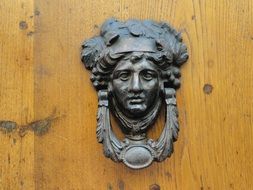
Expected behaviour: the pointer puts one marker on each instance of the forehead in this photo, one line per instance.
(135, 61)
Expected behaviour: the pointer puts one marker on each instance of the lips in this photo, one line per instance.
(136, 100)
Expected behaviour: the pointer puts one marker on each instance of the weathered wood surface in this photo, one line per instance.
(43, 81)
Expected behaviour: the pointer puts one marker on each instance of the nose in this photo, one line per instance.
(135, 84)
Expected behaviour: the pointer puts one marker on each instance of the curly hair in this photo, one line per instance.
(98, 56)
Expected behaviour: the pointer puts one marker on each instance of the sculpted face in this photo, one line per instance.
(135, 85)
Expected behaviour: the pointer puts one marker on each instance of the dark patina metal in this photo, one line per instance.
(135, 69)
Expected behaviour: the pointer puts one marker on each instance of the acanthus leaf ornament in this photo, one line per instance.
(135, 69)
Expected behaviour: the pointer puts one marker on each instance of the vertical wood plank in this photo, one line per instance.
(16, 93)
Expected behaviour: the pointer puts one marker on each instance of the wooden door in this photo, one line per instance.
(48, 105)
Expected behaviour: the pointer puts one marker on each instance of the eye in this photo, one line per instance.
(124, 76)
(148, 75)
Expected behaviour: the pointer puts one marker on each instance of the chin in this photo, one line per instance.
(136, 110)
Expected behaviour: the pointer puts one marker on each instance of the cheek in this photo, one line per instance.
(151, 87)
(119, 88)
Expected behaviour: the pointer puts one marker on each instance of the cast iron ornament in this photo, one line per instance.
(135, 69)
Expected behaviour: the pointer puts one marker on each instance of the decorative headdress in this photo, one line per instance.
(163, 43)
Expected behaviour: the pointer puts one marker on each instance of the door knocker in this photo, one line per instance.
(135, 69)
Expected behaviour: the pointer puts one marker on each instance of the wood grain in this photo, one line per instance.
(42, 75)
(16, 93)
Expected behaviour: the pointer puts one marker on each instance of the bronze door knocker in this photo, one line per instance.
(135, 69)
